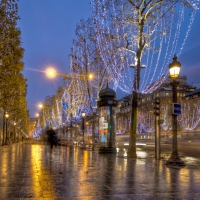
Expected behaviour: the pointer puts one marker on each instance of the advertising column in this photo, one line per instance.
(106, 107)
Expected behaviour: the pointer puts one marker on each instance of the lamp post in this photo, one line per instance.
(174, 71)
(83, 116)
(6, 116)
(14, 123)
(64, 130)
(42, 122)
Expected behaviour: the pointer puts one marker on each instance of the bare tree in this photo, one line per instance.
(85, 61)
(126, 31)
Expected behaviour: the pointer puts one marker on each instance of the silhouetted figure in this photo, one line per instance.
(52, 138)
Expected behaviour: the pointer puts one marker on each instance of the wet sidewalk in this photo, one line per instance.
(31, 171)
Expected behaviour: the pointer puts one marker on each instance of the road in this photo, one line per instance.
(185, 148)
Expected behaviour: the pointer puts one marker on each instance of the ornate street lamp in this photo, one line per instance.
(6, 116)
(174, 71)
(83, 116)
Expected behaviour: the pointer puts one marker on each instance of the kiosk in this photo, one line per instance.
(106, 108)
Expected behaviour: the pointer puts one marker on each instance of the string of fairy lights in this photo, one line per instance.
(159, 50)
(190, 117)
(116, 32)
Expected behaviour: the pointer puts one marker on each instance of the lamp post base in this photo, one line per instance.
(175, 160)
(131, 155)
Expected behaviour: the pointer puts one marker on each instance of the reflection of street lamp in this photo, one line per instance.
(6, 116)
(174, 71)
(83, 116)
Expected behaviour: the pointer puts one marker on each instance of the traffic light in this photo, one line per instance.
(156, 105)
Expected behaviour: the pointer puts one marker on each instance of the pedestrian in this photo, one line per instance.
(52, 138)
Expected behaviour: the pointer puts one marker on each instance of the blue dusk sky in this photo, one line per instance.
(47, 31)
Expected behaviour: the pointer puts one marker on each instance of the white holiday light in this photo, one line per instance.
(116, 29)
(190, 117)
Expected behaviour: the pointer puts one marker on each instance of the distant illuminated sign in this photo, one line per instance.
(105, 125)
(176, 109)
(104, 135)
(64, 105)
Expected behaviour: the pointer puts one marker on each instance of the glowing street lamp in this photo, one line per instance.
(6, 115)
(51, 72)
(174, 71)
(83, 114)
(174, 68)
(41, 106)
(90, 76)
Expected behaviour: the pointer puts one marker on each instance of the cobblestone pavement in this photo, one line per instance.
(30, 171)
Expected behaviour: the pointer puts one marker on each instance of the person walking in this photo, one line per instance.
(52, 138)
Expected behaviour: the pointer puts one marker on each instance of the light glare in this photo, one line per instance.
(174, 72)
(90, 76)
(50, 72)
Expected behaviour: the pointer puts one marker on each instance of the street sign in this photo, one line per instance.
(176, 109)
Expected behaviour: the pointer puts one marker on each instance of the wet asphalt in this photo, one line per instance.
(30, 171)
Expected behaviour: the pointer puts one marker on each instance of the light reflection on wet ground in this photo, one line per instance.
(31, 171)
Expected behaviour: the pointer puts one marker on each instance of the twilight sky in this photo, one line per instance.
(48, 28)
